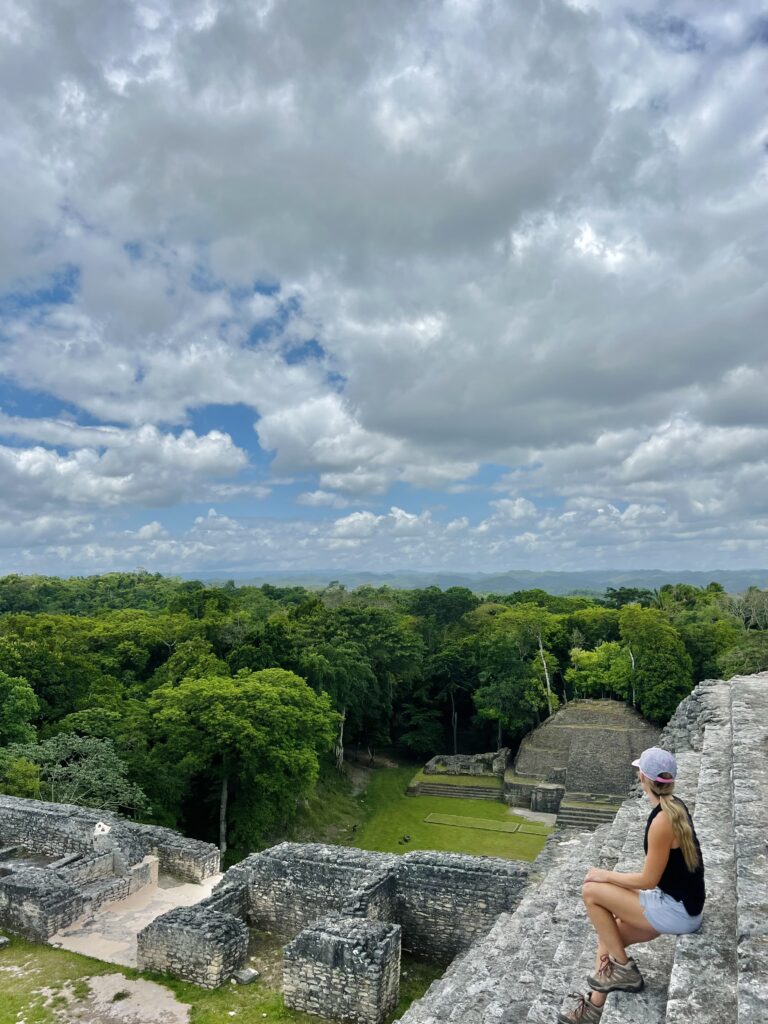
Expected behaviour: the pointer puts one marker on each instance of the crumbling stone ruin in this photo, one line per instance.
(59, 862)
(494, 763)
(578, 763)
(347, 913)
(522, 968)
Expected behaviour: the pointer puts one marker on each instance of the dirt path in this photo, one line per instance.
(358, 776)
(113, 999)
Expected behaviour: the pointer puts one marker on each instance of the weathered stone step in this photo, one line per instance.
(656, 959)
(704, 976)
(606, 813)
(749, 717)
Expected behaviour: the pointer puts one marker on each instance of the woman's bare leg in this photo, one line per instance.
(618, 919)
(630, 935)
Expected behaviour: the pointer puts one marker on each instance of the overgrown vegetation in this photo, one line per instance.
(213, 708)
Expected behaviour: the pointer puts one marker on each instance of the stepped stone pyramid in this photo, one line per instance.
(579, 761)
(521, 970)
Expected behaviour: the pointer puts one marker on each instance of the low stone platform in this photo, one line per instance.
(521, 970)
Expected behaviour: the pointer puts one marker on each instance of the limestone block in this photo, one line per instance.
(547, 797)
(245, 976)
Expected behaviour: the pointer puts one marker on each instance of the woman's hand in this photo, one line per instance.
(597, 875)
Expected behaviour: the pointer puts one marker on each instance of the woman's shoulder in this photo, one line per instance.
(661, 825)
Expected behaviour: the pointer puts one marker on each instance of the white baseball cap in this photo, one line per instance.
(654, 762)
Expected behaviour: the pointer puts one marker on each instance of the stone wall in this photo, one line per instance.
(345, 968)
(443, 901)
(83, 869)
(347, 911)
(446, 901)
(58, 829)
(102, 858)
(196, 944)
(376, 900)
(292, 885)
(189, 859)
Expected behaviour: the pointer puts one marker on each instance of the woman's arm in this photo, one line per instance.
(660, 837)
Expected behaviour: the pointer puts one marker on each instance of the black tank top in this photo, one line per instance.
(677, 881)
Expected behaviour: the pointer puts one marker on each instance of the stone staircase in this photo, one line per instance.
(461, 792)
(532, 958)
(584, 816)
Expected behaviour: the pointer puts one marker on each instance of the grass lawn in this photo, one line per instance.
(484, 781)
(391, 814)
(25, 969)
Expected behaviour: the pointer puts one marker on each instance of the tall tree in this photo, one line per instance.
(606, 671)
(18, 709)
(511, 691)
(662, 672)
(262, 730)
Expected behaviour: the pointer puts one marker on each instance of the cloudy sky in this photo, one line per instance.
(383, 284)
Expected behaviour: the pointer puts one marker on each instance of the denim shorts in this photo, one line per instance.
(667, 915)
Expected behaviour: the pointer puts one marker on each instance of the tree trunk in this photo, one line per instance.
(546, 675)
(632, 676)
(498, 737)
(339, 750)
(223, 817)
(454, 723)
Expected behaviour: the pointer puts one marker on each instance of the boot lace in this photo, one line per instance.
(606, 966)
(582, 1005)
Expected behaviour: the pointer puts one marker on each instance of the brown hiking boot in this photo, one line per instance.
(615, 977)
(584, 1012)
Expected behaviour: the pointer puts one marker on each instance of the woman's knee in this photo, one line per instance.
(589, 891)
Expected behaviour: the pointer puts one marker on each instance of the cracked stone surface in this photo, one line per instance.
(110, 934)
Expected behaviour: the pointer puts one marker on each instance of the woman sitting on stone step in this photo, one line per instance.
(666, 897)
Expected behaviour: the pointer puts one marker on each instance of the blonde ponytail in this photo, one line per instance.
(681, 825)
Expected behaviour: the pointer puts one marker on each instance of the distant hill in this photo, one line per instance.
(584, 582)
